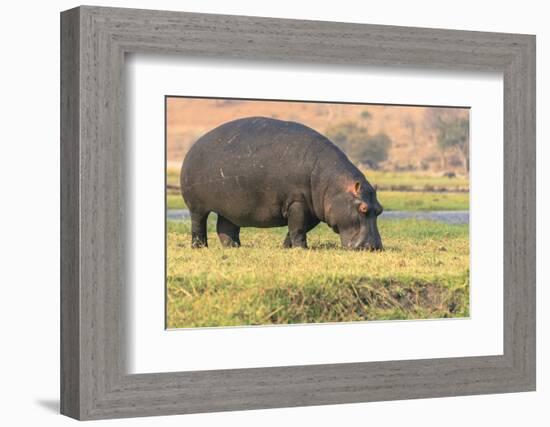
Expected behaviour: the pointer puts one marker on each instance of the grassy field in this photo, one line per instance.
(416, 181)
(423, 273)
(391, 200)
(419, 192)
(173, 177)
(423, 201)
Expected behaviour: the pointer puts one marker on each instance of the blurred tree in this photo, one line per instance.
(409, 123)
(361, 147)
(375, 150)
(366, 115)
(453, 133)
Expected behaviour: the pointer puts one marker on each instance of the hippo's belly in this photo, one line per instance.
(261, 217)
(245, 203)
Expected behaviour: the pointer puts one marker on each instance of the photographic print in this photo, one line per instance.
(293, 212)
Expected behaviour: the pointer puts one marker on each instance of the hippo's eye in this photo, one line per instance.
(379, 210)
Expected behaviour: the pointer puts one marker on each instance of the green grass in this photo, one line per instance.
(423, 201)
(391, 200)
(423, 273)
(410, 181)
(173, 177)
(175, 201)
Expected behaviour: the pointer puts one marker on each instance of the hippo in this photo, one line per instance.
(263, 172)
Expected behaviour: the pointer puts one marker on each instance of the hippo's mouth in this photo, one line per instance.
(371, 247)
(361, 244)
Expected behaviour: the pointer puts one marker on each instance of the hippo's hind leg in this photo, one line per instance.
(228, 233)
(299, 223)
(199, 238)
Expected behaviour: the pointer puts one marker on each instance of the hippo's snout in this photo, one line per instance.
(368, 237)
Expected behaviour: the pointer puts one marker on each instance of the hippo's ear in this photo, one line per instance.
(356, 189)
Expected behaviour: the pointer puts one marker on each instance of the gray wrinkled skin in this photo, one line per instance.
(261, 172)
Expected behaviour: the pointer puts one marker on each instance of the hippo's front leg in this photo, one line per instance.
(297, 226)
(311, 224)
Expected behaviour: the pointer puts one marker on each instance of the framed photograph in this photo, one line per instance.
(261, 213)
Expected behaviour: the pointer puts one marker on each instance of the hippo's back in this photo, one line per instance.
(255, 163)
(251, 140)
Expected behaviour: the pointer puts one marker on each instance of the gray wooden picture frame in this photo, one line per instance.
(94, 41)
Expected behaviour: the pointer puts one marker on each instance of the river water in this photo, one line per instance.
(448, 217)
